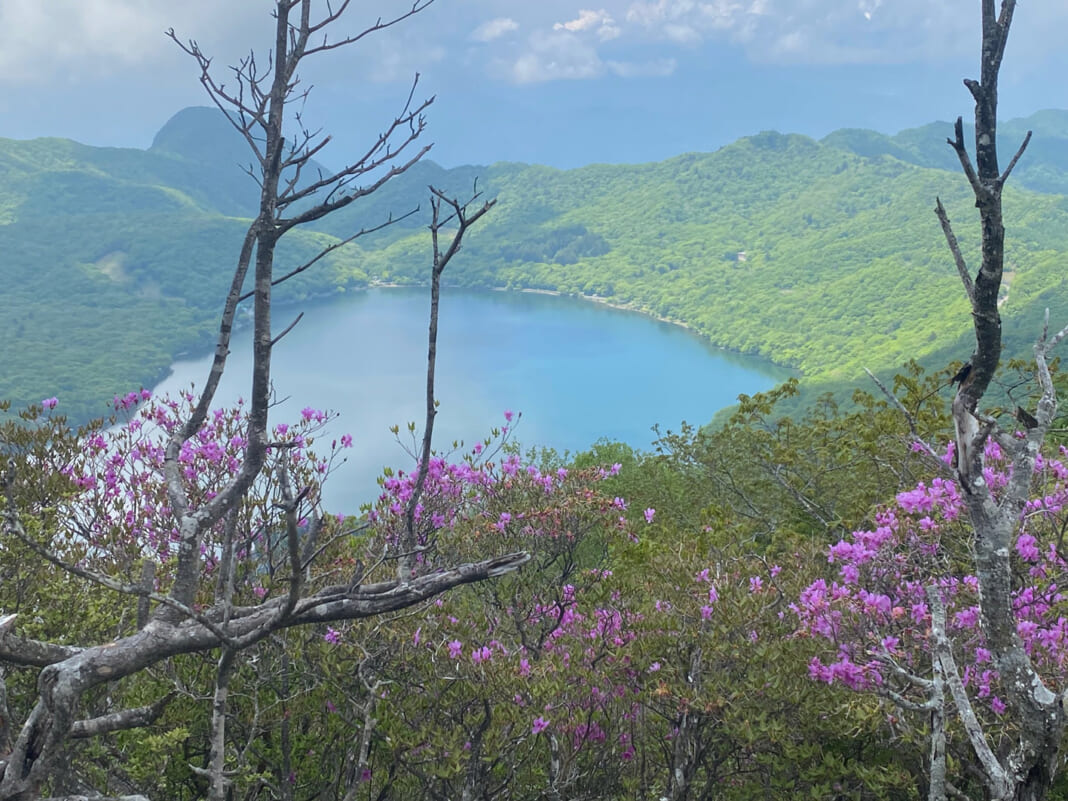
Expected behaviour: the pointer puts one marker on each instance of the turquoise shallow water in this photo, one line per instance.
(577, 371)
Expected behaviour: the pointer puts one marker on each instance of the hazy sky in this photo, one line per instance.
(564, 82)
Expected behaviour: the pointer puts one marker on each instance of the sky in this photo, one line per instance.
(559, 82)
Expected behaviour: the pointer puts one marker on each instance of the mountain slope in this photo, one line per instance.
(823, 256)
(777, 245)
(113, 261)
(1044, 167)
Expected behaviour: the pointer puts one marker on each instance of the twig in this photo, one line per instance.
(927, 449)
(954, 247)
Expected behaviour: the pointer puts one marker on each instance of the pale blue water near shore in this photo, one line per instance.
(578, 371)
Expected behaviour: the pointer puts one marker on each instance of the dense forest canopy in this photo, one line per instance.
(808, 253)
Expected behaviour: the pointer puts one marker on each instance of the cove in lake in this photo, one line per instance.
(578, 371)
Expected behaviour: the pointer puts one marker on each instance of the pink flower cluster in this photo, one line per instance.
(875, 617)
(121, 501)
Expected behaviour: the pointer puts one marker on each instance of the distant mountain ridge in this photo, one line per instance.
(819, 255)
(1045, 168)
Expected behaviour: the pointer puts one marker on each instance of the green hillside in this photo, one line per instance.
(823, 256)
(817, 258)
(1044, 170)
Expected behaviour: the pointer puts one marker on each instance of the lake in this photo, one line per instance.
(578, 371)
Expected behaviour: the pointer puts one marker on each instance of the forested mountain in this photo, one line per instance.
(823, 256)
(1044, 170)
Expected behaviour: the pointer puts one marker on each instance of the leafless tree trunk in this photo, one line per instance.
(443, 254)
(1027, 769)
(255, 102)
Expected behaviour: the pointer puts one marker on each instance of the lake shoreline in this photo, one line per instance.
(601, 300)
(644, 312)
(578, 373)
(244, 321)
(628, 307)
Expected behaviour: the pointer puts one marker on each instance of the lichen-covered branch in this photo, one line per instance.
(1026, 770)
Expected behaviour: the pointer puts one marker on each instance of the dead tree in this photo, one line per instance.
(256, 103)
(1024, 770)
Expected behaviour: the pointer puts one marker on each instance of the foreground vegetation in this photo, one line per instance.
(648, 636)
(652, 647)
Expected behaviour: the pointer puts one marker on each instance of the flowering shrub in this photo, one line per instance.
(627, 653)
(525, 673)
(876, 616)
(115, 510)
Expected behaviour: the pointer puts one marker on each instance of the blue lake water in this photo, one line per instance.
(578, 371)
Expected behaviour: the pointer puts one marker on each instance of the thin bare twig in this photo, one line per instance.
(913, 428)
(1008, 170)
(391, 220)
(441, 259)
(954, 247)
(957, 143)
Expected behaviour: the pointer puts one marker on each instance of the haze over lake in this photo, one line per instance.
(578, 371)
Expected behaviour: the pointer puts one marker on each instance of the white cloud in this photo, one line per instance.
(83, 38)
(652, 13)
(868, 7)
(683, 34)
(494, 29)
(560, 55)
(600, 22)
(724, 15)
(586, 20)
(812, 31)
(77, 41)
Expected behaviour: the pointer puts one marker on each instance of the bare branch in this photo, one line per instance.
(954, 247)
(331, 206)
(378, 26)
(1001, 38)
(5, 719)
(913, 428)
(148, 584)
(369, 600)
(943, 651)
(957, 143)
(25, 652)
(246, 73)
(905, 675)
(289, 506)
(331, 248)
(1045, 346)
(937, 752)
(380, 153)
(287, 329)
(120, 721)
(410, 543)
(218, 779)
(1008, 170)
(904, 703)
